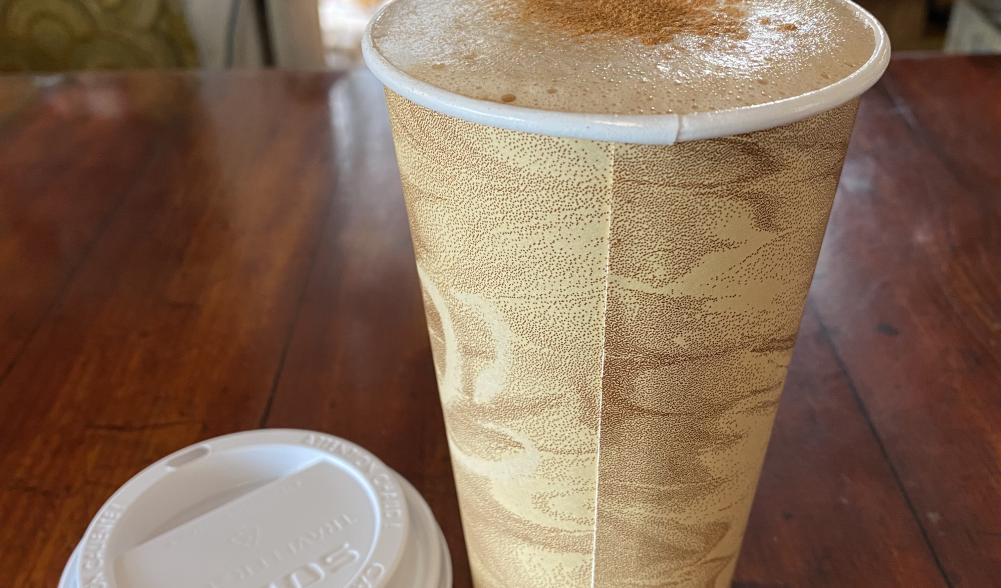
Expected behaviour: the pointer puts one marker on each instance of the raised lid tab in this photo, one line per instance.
(263, 509)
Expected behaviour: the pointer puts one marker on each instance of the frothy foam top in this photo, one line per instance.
(625, 56)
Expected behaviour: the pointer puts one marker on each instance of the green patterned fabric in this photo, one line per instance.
(60, 35)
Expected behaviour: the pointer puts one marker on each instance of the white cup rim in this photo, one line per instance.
(651, 129)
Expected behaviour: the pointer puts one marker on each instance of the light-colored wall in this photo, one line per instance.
(971, 32)
(295, 28)
(209, 20)
(296, 38)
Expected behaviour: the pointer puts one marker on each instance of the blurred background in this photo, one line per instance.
(61, 35)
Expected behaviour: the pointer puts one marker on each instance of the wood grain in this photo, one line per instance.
(826, 486)
(171, 326)
(186, 255)
(50, 219)
(909, 288)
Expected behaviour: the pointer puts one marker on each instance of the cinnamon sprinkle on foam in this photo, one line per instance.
(651, 21)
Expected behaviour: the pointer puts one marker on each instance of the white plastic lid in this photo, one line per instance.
(275, 508)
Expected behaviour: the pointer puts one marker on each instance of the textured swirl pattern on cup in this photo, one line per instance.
(711, 253)
(611, 326)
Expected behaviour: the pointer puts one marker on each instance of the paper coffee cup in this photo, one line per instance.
(612, 303)
(274, 508)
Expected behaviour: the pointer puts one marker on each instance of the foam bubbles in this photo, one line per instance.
(482, 49)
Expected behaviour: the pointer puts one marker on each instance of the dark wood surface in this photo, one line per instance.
(183, 256)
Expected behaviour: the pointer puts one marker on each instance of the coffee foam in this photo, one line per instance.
(711, 55)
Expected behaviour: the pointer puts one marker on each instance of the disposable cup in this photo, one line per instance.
(612, 302)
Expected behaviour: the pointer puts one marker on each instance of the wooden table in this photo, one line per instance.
(183, 256)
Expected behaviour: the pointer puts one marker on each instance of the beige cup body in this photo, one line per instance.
(611, 326)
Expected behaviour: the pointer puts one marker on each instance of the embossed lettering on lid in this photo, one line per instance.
(287, 533)
(263, 509)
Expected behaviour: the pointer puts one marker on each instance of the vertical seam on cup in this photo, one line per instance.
(601, 374)
(680, 129)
